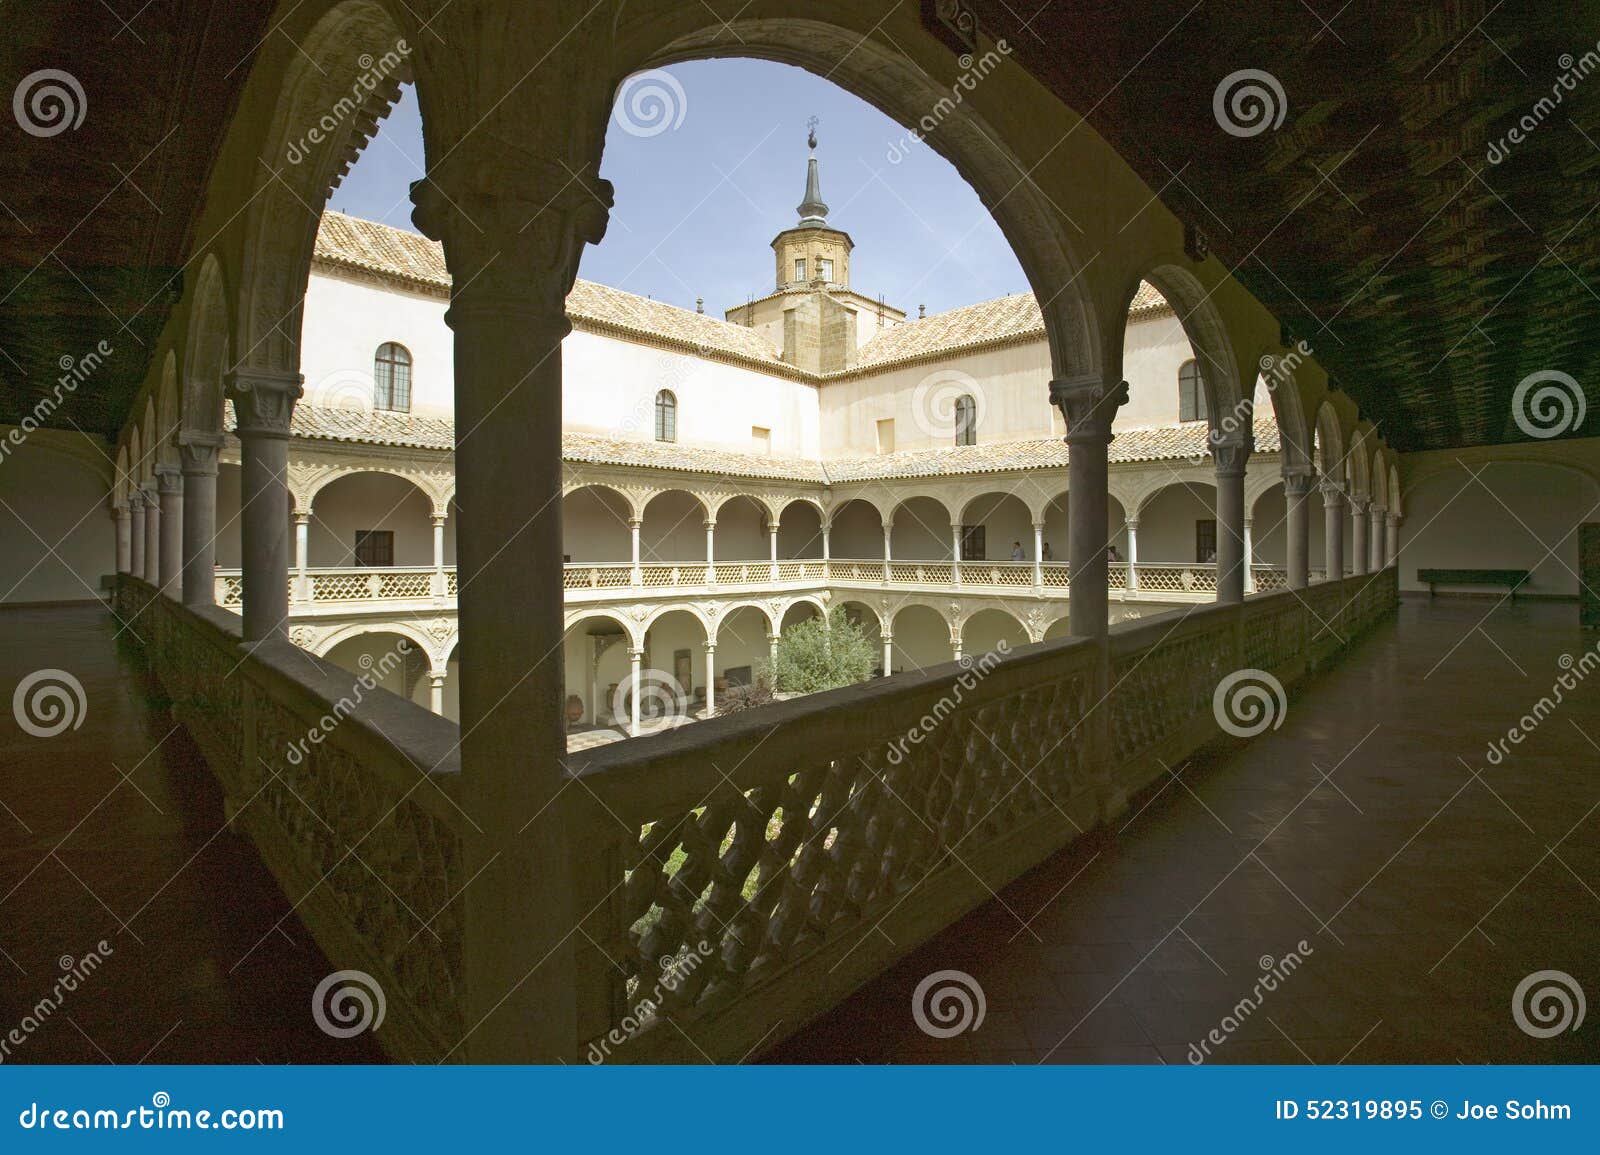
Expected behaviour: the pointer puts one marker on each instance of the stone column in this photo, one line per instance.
(1392, 542)
(1089, 405)
(955, 643)
(169, 482)
(436, 680)
(711, 550)
(711, 679)
(1296, 491)
(634, 525)
(635, 676)
(1230, 450)
(1133, 554)
(1358, 535)
(136, 535)
(827, 556)
(124, 537)
(888, 653)
(772, 659)
(302, 534)
(955, 552)
(263, 402)
(1375, 556)
(772, 542)
(513, 194)
(888, 531)
(152, 535)
(1038, 555)
(439, 586)
(1332, 528)
(198, 454)
(1249, 558)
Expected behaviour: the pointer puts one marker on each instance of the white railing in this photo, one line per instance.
(346, 585)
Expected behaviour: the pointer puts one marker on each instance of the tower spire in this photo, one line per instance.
(813, 209)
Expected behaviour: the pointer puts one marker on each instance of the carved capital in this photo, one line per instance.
(198, 453)
(1358, 505)
(169, 480)
(136, 501)
(1089, 406)
(1297, 482)
(263, 401)
(1230, 450)
(513, 223)
(1332, 491)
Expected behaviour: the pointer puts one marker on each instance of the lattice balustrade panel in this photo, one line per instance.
(789, 571)
(904, 572)
(230, 592)
(671, 575)
(827, 846)
(1059, 576)
(1116, 576)
(938, 573)
(392, 867)
(341, 587)
(452, 583)
(612, 576)
(406, 584)
(1268, 580)
(1159, 690)
(1272, 638)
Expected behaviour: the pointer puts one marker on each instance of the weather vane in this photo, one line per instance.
(812, 138)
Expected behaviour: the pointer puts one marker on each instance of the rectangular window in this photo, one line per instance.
(374, 547)
(974, 543)
(1205, 539)
(825, 268)
(761, 440)
(886, 435)
(799, 268)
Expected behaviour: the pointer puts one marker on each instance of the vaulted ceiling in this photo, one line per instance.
(1431, 262)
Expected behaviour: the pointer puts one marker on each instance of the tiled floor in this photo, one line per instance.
(1424, 893)
(114, 831)
(1426, 881)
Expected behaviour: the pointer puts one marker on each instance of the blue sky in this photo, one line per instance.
(708, 178)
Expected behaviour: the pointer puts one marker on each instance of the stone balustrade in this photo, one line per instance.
(771, 860)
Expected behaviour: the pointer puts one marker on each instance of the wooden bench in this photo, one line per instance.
(1510, 578)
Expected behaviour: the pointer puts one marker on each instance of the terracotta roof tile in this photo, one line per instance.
(1155, 443)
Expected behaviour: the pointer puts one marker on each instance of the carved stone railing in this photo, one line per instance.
(347, 791)
(774, 860)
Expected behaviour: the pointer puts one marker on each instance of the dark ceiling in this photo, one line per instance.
(1428, 278)
(1372, 220)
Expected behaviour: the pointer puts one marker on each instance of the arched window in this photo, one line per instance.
(391, 377)
(1191, 393)
(666, 416)
(966, 420)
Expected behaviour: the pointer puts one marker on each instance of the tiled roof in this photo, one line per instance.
(350, 242)
(1155, 443)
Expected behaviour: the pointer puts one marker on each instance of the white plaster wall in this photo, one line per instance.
(345, 322)
(370, 501)
(921, 532)
(1005, 519)
(594, 526)
(673, 529)
(1166, 523)
(921, 639)
(856, 532)
(741, 533)
(1269, 534)
(983, 632)
(58, 534)
(1517, 515)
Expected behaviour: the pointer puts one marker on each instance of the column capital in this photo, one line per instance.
(1332, 491)
(169, 480)
(135, 501)
(1358, 505)
(1395, 519)
(152, 496)
(198, 452)
(1088, 405)
(120, 511)
(1230, 451)
(1131, 523)
(302, 516)
(1376, 509)
(1297, 481)
(439, 520)
(263, 400)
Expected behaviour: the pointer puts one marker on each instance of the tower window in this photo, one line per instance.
(666, 416)
(825, 268)
(391, 378)
(1191, 393)
(966, 420)
(799, 268)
